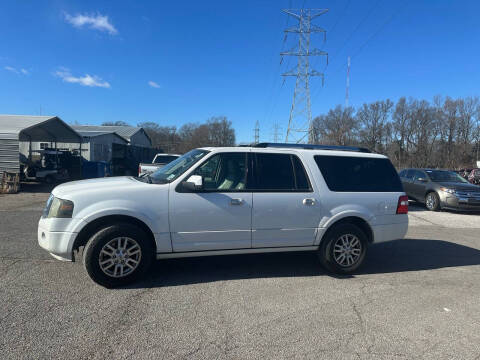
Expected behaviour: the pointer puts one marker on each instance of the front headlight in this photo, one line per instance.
(60, 208)
(448, 190)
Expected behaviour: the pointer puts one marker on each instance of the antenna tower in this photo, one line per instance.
(348, 82)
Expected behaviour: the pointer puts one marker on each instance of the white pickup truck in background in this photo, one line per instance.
(158, 161)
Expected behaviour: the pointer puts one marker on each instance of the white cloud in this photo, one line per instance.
(16, 71)
(86, 80)
(98, 22)
(153, 84)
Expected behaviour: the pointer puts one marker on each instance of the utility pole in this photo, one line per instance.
(348, 83)
(300, 120)
(256, 132)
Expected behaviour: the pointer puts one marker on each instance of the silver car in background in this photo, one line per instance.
(440, 189)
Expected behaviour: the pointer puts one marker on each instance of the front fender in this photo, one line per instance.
(107, 208)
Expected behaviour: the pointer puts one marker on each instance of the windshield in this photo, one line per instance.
(177, 167)
(445, 176)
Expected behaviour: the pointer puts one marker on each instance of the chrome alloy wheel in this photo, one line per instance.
(120, 257)
(431, 201)
(347, 250)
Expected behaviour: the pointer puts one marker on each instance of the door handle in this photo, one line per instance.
(236, 202)
(309, 202)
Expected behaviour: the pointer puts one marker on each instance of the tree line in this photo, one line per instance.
(444, 133)
(216, 131)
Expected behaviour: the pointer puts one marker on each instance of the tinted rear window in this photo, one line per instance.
(356, 174)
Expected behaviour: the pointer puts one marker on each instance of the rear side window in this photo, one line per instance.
(279, 172)
(300, 175)
(357, 174)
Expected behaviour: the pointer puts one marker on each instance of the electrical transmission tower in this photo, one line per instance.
(256, 133)
(300, 121)
(276, 133)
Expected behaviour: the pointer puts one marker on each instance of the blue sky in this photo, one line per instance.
(92, 61)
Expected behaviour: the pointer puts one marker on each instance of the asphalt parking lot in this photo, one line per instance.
(416, 298)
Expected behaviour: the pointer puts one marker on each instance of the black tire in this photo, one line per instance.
(91, 254)
(434, 204)
(326, 249)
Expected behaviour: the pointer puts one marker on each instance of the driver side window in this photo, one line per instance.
(223, 172)
(418, 175)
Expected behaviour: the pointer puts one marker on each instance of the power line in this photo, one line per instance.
(271, 103)
(367, 15)
(359, 50)
(339, 17)
(356, 28)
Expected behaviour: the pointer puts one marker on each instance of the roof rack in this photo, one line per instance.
(311, 147)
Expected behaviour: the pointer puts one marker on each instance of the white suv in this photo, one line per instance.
(219, 201)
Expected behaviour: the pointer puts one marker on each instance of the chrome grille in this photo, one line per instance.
(475, 194)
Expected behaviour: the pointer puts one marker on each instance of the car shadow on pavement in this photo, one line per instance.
(389, 257)
(416, 255)
(36, 187)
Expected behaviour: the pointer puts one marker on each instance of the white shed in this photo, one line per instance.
(16, 129)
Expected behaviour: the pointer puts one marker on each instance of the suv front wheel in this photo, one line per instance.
(343, 249)
(432, 201)
(118, 255)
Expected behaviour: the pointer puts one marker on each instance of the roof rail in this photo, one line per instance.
(311, 147)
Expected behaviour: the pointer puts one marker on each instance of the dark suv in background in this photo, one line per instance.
(440, 189)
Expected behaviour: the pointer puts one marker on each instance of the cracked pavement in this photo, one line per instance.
(269, 306)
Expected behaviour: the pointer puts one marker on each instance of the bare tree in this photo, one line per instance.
(444, 133)
(338, 127)
(163, 137)
(373, 119)
(220, 132)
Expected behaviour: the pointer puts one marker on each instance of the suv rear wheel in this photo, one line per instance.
(343, 249)
(117, 255)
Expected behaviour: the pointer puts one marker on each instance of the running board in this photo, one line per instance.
(173, 255)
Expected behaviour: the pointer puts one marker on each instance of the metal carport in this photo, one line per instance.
(16, 128)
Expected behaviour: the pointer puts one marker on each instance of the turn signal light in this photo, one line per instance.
(402, 207)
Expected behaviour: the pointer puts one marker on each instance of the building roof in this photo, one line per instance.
(124, 131)
(36, 128)
(90, 134)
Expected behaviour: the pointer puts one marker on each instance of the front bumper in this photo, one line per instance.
(55, 236)
(462, 203)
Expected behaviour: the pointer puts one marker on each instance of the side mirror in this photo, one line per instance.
(422, 180)
(193, 183)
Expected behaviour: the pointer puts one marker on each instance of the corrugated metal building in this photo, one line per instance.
(30, 129)
(135, 136)
(98, 145)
